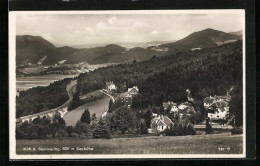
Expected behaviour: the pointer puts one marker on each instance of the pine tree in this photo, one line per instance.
(101, 130)
(143, 127)
(94, 117)
(85, 118)
(208, 128)
(148, 117)
(110, 106)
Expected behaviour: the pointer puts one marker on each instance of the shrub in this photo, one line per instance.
(190, 130)
(237, 130)
(74, 135)
(101, 130)
(157, 132)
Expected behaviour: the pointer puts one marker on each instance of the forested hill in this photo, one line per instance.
(31, 49)
(201, 39)
(208, 71)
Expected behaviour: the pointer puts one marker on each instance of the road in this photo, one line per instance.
(71, 89)
(104, 91)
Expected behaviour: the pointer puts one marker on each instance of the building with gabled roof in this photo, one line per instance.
(133, 91)
(173, 106)
(218, 110)
(160, 123)
(110, 86)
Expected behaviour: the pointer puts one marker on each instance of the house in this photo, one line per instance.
(133, 91)
(173, 106)
(160, 123)
(126, 99)
(110, 86)
(218, 110)
(208, 101)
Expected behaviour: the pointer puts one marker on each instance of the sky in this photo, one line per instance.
(80, 29)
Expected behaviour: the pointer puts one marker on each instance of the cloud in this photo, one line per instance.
(117, 28)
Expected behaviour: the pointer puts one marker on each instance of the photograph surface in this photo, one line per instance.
(127, 84)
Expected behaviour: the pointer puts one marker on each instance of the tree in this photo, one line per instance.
(143, 127)
(122, 119)
(110, 106)
(236, 105)
(148, 117)
(208, 128)
(94, 117)
(101, 130)
(85, 118)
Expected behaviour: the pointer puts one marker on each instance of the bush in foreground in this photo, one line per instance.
(237, 130)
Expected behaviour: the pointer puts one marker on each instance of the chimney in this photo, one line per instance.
(162, 118)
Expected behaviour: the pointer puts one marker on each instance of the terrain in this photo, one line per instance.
(36, 50)
(198, 144)
(201, 39)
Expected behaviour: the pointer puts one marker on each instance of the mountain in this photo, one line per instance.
(201, 39)
(35, 49)
(29, 47)
(238, 33)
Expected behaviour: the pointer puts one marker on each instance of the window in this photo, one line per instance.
(162, 127)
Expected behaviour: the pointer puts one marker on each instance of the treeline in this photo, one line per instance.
(210, 71)
(39, 99)
(206, 71)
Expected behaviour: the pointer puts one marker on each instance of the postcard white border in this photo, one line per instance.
(12, 87)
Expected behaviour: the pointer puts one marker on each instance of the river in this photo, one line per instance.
(98, 107)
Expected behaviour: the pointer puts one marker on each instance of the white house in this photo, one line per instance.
(218, 110)
(160, 123)
(133, 91)
(110, 86)
(173, 106)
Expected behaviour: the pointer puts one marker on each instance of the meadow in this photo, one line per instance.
(198, 144)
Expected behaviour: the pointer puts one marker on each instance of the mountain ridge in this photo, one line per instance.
(30, 49)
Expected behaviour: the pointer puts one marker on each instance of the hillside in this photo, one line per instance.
(201, 39)
(206, 72)
(29, 47)
(32, 49)
(238, 33)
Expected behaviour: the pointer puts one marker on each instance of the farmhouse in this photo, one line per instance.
(218, 110)
(110, 86)
(160, 123)
(173, 106)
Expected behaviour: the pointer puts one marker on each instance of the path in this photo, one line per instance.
(105, 92)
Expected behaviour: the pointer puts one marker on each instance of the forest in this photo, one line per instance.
(40, 99)
(205, 72)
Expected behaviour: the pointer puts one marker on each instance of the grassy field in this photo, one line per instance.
(199, 144)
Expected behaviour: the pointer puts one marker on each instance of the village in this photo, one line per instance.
(217, 109)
